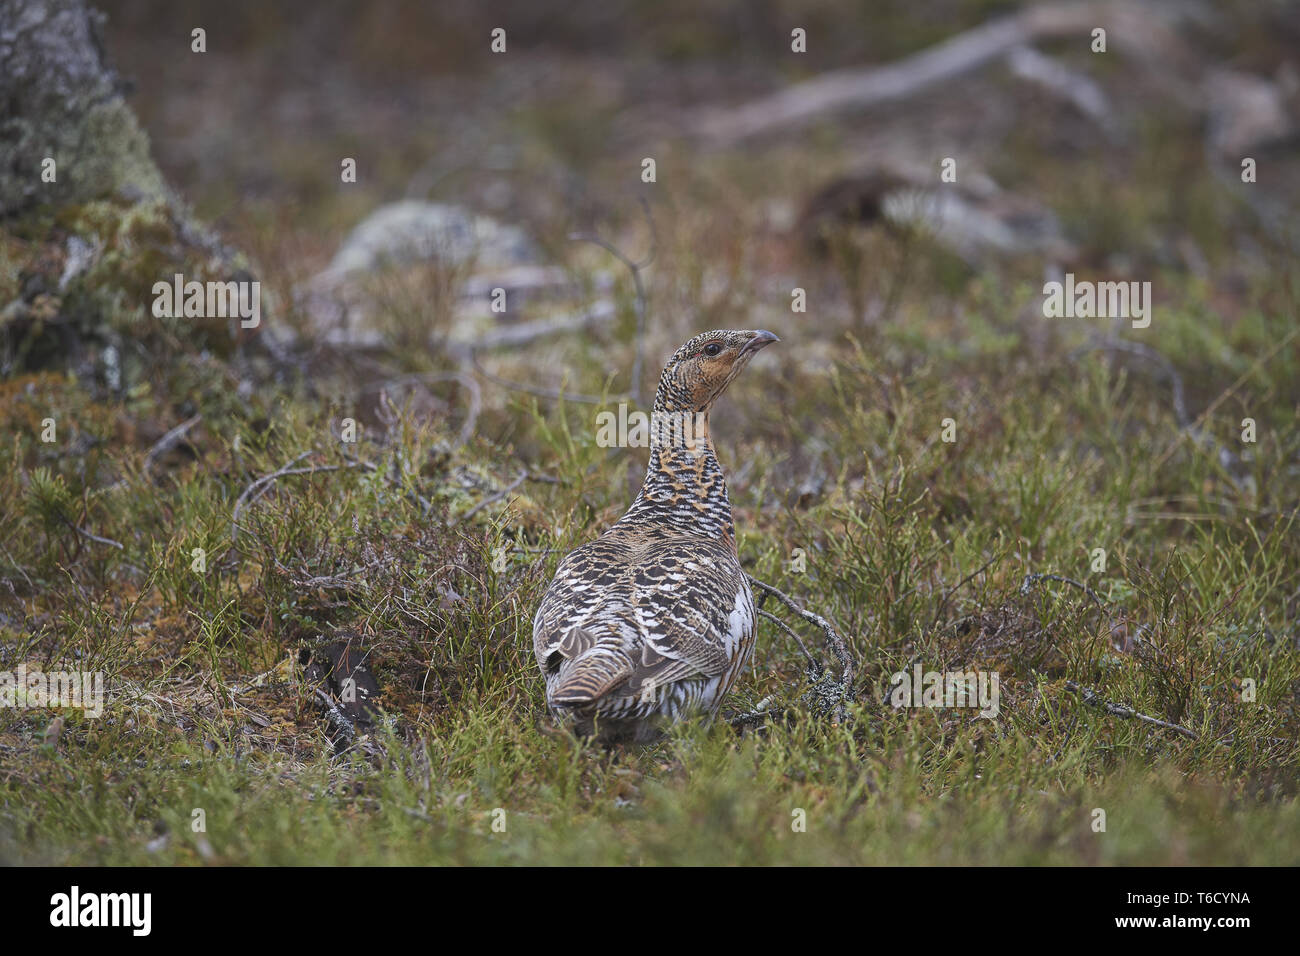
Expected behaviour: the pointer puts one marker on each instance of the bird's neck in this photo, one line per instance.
(684, 488)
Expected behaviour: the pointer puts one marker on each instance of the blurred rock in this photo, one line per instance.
(974, 218)
(1247, 112)
(412, 230)
(461, 252)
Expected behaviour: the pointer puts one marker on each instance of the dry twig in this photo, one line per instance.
(96, 538)
(635, 268)
(767, 615)
(1032, 579)
(834, 692)
(1134, 28)
(169, 441)
(1092, 699)
(259, 487)
(494, 497)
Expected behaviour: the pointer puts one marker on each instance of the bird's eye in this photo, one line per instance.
(713, 348)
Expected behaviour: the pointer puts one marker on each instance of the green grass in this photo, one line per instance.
(1051, 461)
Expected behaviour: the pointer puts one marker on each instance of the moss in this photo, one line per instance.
(116, 158)
(101, 152)
(135, 245)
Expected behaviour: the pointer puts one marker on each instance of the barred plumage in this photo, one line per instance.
(653, 621)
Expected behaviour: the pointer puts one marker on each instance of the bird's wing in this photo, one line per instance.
(581, 595)
(678, 606)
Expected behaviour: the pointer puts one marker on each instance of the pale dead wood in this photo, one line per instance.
(525, 333)
(1081, 91)
(169, 441)
(1151, 355)
(1131, 27)
(541, 391)
(1189, 428)
(96, 538)
(1032, 579)
(830, 695)
(1226, 394)
(1092, 699)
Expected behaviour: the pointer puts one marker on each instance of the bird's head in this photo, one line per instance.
(702, 369)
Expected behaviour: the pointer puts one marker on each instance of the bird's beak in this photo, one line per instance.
(759, 340)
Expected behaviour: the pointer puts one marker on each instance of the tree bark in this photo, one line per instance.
(61, 100)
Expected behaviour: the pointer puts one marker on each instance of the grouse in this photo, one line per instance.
(653, 621)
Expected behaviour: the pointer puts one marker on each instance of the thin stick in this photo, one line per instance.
(329, 581)
(1241, 380)
(943, 604)
(97, 538)
(495, 496)
(790, 631)
(169, 441)
(833, 637)
(1032, 579)
(267, 480)
(635, 268)
(1092, 699)
(1151, 355)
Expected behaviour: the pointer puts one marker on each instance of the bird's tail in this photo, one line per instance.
(595, 669)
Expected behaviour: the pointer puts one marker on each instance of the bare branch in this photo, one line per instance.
(1134, 28)
(97, 538)
(1075, 88)
(169, 441)
(1151, 355)
(943, 604)
(496, 496)
(525, 333)
(828, 693)
(540, 391)
(767, 615)
(1092, 699)
(1032, 579)
(258, 487)
(635, 268)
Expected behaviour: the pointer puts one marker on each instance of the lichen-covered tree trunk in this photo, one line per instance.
(60, 101)
(88, 226)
